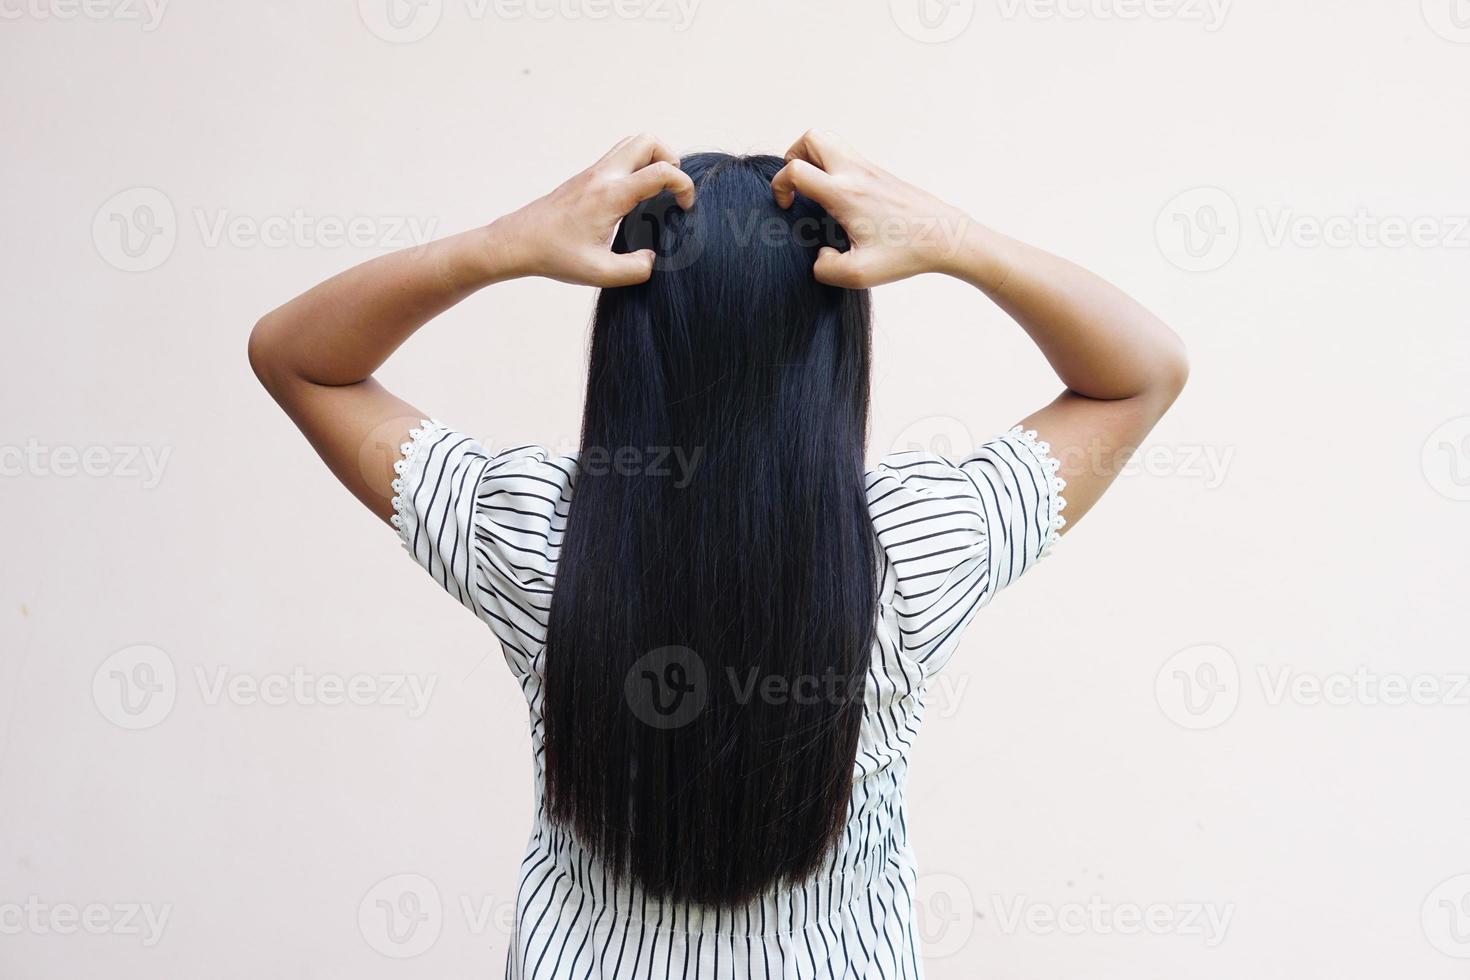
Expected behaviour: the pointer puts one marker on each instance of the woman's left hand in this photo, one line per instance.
(567, 234)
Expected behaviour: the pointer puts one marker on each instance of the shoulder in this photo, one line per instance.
(924, 506)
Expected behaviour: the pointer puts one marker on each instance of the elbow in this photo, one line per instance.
(1172, 373)
(261, 352)
(1176, 372)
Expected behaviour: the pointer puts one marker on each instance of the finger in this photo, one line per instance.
(625, 270)
(845, 269)
(657, 177)
(799, 175)
(819, 146)
(637, 152)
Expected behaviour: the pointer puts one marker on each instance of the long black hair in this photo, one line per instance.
(715, 599)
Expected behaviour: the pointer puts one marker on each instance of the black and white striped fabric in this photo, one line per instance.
(488, 527)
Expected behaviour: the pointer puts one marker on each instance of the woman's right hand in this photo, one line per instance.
(895, 229)
(566, 234)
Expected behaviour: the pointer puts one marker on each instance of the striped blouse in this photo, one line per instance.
(487, 526)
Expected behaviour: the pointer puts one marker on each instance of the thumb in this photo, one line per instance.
(839, 268)
(626, 269)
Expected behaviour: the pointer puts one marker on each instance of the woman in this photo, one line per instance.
(722, 623)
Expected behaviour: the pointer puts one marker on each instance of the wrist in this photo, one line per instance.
(498, 252)
(979, 256)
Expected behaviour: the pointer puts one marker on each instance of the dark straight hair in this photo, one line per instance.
(715, 600)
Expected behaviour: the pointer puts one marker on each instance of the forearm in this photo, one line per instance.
(1101, 342)
(340, 331)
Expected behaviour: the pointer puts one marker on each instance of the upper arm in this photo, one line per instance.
(356, 429)
(1093, 438)
(956, 533)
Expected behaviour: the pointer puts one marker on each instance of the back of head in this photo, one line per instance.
(713, 613)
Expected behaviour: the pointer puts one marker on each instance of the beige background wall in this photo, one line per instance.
(1222, 733)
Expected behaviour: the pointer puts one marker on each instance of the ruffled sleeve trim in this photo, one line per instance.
(403, 468)
(1055, 484)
